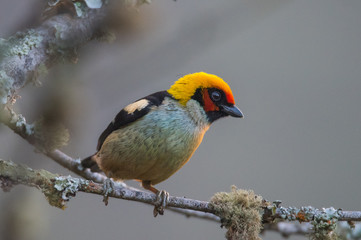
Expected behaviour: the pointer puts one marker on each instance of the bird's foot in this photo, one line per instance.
(108, 186)
(162, 201)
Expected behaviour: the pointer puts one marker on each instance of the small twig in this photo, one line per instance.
(74, 166)
(191, 213)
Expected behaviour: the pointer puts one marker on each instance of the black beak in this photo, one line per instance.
(232, 110)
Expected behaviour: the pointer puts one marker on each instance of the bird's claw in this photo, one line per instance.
(162, 201)
(108, 186)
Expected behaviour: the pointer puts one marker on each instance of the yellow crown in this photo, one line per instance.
(185, 87)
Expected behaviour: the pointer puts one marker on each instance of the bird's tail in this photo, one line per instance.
(90, 163)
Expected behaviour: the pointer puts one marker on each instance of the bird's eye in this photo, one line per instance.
(216, 96)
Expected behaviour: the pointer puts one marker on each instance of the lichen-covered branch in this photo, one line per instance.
(30, 53)
(308, 214)
(344, 230)
(12, 174)
(59, 189)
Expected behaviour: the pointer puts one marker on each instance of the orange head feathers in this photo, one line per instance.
(186, 86)
(210, 91)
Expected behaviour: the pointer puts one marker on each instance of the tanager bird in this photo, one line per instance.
(153, 137)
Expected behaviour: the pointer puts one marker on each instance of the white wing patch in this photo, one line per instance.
(138, 105)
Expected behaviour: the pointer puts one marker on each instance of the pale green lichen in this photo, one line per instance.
(68, 186)
(62, 189)
(324, 224)
(323, 221)
(240, 212)
(6, 85)
(18, 45)
(23, 42)
(303, 214)
(20, 122)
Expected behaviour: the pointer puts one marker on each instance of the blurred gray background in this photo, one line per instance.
(294, 68)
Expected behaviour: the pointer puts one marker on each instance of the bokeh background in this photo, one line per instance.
(295, 70)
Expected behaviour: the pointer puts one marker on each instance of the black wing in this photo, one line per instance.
(123, 117)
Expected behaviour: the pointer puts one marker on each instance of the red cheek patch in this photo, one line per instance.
(208, 103)
(230, 98)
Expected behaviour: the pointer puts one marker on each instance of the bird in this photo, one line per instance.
(152, 138)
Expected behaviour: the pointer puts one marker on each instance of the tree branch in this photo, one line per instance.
(59, 189)
(28, 54)
(12, 174)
